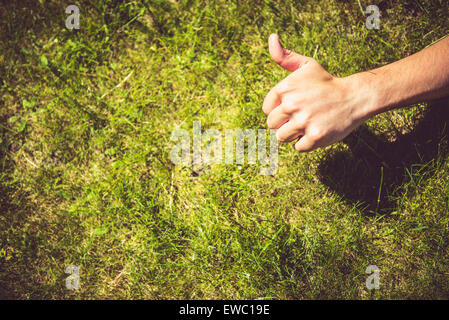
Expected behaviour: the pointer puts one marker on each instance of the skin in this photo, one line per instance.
(316, 109)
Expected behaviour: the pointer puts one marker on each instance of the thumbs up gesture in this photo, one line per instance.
(310, 106)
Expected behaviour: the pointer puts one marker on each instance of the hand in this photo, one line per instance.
(311, 104)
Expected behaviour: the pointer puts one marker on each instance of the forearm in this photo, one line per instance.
(420, 77)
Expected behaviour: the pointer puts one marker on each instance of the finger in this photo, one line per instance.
(285, 58)
(289, 132)
(305, 144)
(277, 118)
(272, 100)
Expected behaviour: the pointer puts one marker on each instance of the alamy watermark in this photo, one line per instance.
(72, 21)
(72, 282)
(207, 147)
(373, 20)
(373, 280)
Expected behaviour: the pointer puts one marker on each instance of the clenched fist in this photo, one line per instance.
(311, 104)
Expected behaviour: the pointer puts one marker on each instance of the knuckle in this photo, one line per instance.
(302, 119)
(282, 87)
(289, 108)
(316, 134)
(300, 124)
(306, 116)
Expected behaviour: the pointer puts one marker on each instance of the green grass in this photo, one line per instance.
(86, 177)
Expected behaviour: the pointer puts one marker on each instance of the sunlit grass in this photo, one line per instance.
(86, 179)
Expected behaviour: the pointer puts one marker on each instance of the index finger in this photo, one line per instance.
(272, 100)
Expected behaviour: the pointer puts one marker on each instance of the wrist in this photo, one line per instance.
(366, 95)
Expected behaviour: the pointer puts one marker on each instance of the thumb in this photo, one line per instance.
(285, 58)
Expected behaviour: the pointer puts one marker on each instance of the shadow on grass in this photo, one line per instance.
(27, 235)
(373, 169)
(23, 227)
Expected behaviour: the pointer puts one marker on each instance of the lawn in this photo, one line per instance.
(86, 177)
